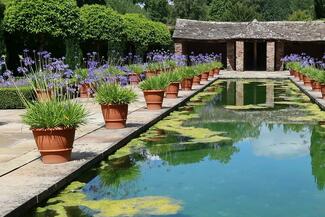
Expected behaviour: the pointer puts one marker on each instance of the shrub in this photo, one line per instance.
(114, 94)
(155, 83)
(51, 17)
(101, 23)
(55, 114)
(10, 99)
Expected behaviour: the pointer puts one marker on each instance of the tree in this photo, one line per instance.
(158, 10)
(125, 6)
(240, 12)
(218, 8)
(88, 2)
(300, 15)
(319, 6)
(191, 9)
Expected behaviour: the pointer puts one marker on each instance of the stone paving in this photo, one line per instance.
(25, 181)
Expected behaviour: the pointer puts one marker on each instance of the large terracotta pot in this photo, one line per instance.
(55, 145)
(307, 81)
(323, 91)
(187, 84)
(154, 99)
(172, 90)
(150, 74)
(204, 76)
(43, 95)
(85, 91)
(197, 80)
(216, 71)
(211, 73)
(134, 79)
(316, 86)
(115, 116)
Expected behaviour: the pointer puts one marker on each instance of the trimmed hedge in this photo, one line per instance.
(10, 99)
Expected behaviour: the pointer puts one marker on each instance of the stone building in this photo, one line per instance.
(250, 45)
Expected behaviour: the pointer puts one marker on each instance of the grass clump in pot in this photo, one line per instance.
(114, 94)
(155, 83)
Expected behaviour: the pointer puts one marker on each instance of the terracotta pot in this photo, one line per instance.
(216, 72)
(307, 81)
(301, 77)
(43, 95)
(291, 72)
(85, 91)
(296, 74)
(150, 74)
(172, 90)
(134, 79)
(197, 80)
(187, 84)
(316, 86)
(323, 90)
(204, 76)
(158, 72)
(154, 99)
(115, 116)
(211, 73)
(55, 145)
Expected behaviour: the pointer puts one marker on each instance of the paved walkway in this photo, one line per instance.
(25, 181)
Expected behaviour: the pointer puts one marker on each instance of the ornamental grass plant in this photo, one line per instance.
(114, 94)
(154, 83)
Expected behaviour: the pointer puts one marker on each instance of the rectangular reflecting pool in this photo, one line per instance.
(241, 148)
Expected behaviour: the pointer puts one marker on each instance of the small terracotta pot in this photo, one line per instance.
(154, 99)
(85, 91)
(43, 95)
(296, 74)
(187, 84)
(216, 71)
(301, 76)
(316, 86)
(159, 71)
(307, 81)
(55, 145)
(115, 116)
(150, 74)
(197, 80)
(291, 72)
(134, 79)
(204, 76)
(211, 73)
(172, 90)
(323, 90)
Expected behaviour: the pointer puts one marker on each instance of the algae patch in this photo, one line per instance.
(73, 196)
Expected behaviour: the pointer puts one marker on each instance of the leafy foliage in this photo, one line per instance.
(114, 94)
(54, 114)
(319, 8)
(10, 99)
(155, 83)
(241, 12)
(100, 23)
(300, 15)
(52, 17)
(191, 9)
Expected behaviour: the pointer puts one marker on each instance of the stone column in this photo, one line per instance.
(231, 55)
(279, 53)
(270, 56)
(239, 55)
(178, 48)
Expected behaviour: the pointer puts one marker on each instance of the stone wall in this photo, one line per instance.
(231, 55)
(178, 48)
(279, 54)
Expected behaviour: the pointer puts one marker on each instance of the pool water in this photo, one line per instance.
(239, 149)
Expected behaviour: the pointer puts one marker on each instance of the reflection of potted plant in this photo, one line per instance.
(114, 101)
(134, 76)
(53, 124)
(153, 89)
(173, 88)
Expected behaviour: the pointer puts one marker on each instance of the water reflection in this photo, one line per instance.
(317, 154)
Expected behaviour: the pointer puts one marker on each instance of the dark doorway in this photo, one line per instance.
(255, 56)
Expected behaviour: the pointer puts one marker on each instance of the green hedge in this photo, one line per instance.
(9, 98)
